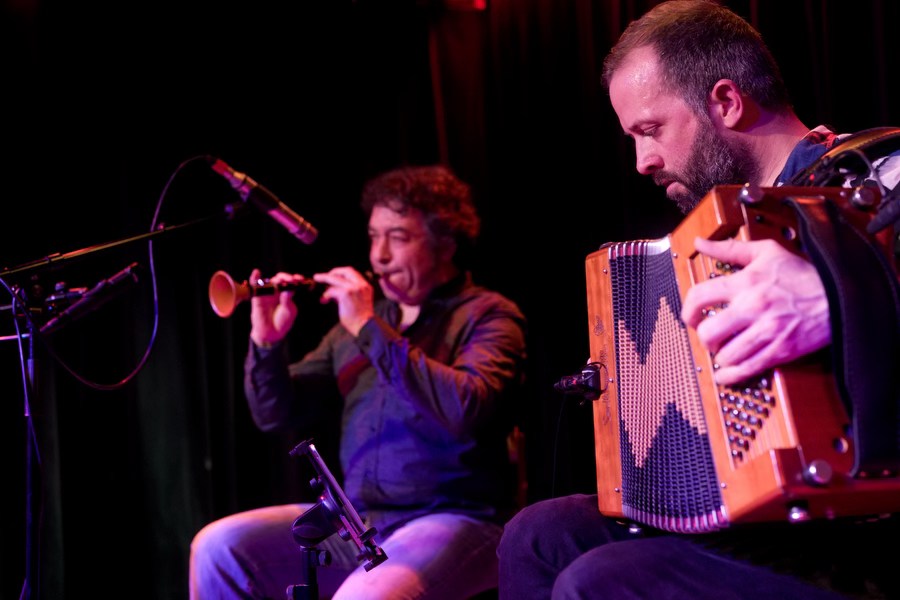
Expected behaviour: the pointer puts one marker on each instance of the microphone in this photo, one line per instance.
(265, 200)
(92, 299)
(587, 383)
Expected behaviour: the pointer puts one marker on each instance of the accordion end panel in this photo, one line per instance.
(605, 408)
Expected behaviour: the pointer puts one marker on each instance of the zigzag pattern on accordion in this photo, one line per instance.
(668, 474)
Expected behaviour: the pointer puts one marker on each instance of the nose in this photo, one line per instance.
(381, 251)
(647, 159)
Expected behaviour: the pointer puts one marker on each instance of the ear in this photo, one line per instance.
(727, 106)
(446, 248)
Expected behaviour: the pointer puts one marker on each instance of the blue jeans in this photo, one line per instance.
(564, 549)
(253, 555)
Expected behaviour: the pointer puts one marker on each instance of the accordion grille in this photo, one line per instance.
(668, 474)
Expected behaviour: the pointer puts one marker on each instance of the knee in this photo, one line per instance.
(640, 567)
(207, 543)
(219, 559)
(544, 518)
(606, 572)
(219, 542)
(545, 525)
(520, 532)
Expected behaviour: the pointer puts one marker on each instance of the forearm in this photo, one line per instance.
(267, 387)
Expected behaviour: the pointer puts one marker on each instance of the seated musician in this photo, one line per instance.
(422, 374)
(697, 90)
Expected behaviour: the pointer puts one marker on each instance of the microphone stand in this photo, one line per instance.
(32, 474)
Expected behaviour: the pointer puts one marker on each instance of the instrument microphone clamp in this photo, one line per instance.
(587, 384)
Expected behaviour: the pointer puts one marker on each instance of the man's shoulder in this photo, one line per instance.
(489, 299)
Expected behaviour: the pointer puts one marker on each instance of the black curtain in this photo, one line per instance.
(109, 113)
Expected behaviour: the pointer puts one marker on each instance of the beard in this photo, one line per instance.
(712, 162)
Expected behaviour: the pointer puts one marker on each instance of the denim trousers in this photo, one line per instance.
(253, 554)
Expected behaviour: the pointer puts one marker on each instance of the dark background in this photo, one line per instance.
(107, 109)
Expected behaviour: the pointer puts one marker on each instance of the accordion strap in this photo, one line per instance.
(864, 302)
(851, 155)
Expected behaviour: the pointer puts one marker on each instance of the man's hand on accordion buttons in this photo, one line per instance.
(771, 310)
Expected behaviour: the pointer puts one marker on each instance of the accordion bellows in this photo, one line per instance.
(680, 453)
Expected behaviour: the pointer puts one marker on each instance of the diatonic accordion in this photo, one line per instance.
(678, 452)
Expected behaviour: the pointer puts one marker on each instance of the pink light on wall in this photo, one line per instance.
(466, 4)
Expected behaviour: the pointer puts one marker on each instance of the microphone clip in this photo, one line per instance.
(590, 383)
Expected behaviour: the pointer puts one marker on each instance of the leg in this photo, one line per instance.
(246, 555)
(561, 549)
(545, 537)
(675, 567)
(437, 556)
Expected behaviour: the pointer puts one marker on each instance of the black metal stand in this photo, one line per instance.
(32, 476)
(333, 513)
(308, 588)
(84, 304)
(33, 471)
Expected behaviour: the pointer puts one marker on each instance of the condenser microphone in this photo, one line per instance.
(266, 201)
(93, 298)
(588, 383)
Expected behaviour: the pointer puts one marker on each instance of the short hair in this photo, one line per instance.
(699, 42)
(443, 199)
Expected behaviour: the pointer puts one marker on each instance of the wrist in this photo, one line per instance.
(357, 326)
(263, 343)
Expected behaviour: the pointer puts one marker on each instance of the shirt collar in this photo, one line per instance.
(813, 145)
(443, 295)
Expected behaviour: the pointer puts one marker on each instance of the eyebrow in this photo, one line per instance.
(394, 230)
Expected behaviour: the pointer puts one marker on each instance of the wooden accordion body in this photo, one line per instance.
(678, 452)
